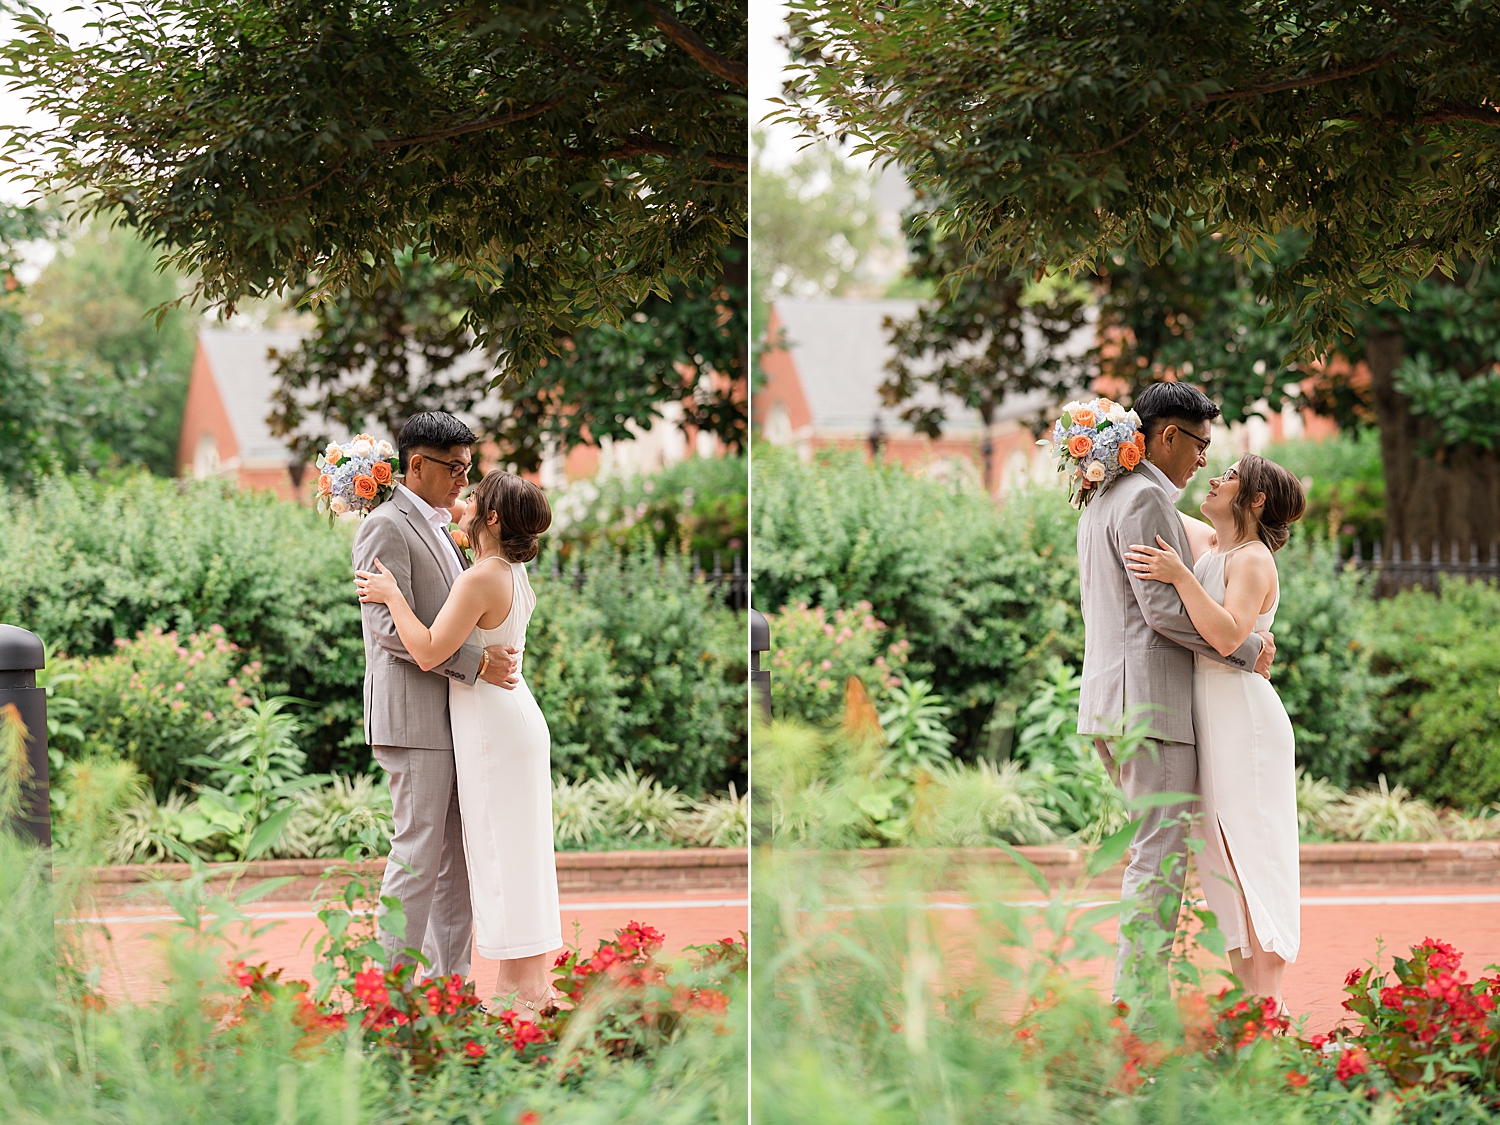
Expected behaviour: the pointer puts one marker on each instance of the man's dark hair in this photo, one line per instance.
(1161, 404)
(432, 430)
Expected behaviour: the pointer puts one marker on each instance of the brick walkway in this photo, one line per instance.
(127, 942)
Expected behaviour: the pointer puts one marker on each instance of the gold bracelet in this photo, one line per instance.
(484, 662)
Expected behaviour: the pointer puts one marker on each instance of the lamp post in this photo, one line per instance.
(876, 438)
(21, 655)
(987, 450)
(760, 686)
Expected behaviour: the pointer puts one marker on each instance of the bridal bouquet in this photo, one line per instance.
(1095, 442)
(356, 477)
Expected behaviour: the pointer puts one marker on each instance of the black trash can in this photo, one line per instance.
(21, 655)
(760, 678)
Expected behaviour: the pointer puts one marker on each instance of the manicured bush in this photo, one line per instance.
(87, 562)
(1438, 728)
(155, 701)
(643, 667)
(984, 595)
(814, 652)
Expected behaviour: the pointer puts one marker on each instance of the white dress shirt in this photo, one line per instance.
(1155, 474)
(437, 519)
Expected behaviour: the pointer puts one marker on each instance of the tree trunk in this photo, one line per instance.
(1452, 498)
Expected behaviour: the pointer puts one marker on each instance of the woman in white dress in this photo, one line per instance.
(501, 746)
(1245, 747)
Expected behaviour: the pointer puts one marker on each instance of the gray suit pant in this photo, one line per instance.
(429, 840)
(1149, 878)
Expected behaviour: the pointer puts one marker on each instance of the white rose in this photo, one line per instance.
(1135, 419)
(384, 451)
(1116, 414)
(339, 505)
(1094, 472)
(1072, 406)
(361, 448)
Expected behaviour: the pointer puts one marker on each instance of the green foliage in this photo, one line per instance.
(572, 159)
(1437, 722)
(404, 346)
(984, 595)
(159, 701)
(1346, 493)
(1120, 125)
(1071, 782)
(916, 738)
(699, 505)
(813, 654)
(641, 666)
(1322, 670)
(85, 563)
(124, 375)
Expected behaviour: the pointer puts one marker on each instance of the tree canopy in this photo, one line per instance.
(1059, 132)
(567, 159)
(400, 348)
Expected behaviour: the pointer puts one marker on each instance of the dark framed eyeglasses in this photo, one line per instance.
(1203, 443)
(456, 469)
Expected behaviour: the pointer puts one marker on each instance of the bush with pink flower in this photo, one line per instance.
(815, 651)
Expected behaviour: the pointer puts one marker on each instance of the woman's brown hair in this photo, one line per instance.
(522, 514)
(1285, 500)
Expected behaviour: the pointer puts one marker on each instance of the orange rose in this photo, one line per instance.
(381, 471)
(365, 486)
(1130, 456)
(1140, 442)
(325, 485)
(1085, 417)
(1080, 445)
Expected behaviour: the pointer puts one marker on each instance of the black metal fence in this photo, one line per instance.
(733, 584)
(1403, 569)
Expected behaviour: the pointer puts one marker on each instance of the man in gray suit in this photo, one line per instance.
(1139, 643)
(406, 709)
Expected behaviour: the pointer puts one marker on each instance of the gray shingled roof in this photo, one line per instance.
(841, 348)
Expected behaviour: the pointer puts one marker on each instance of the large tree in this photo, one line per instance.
(982, 340)
(403, 347)
(568, 159)
(1345, 149)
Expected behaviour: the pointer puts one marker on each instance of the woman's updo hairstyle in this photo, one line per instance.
(1285, 500)
(522, 514)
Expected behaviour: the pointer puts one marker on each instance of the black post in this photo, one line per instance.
(760, 678)
(21, 654)
(760, 684)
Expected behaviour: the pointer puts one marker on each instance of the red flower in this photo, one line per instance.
(370, 989)
(529, 1117)
(1296, 1079)
(474, 1050)
(1353, 1061)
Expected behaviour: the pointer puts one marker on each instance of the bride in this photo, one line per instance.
(1245, 748)
(501, 745)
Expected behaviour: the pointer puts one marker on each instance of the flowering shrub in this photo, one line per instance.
(814, 655)
(158, 699)
(1430, 1025)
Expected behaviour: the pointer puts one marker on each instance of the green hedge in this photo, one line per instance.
(984, 597)
(988, 597)
(640, 667)
(1439, 718)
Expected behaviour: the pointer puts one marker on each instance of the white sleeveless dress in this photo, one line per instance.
(502, 750)
(1247, 774)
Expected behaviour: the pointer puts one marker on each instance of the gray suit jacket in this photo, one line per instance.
(1138, 641)
(405, 706)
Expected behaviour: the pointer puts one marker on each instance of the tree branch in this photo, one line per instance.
(1297, 83)
(471, 127)
(312, 187)
(644, 146)
(691, 42)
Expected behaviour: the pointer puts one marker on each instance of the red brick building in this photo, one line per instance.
(225, 432)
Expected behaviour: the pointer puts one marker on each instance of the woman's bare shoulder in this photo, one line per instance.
(1200, 536)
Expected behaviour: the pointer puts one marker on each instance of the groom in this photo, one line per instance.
(406, 709)
(1139, 644)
